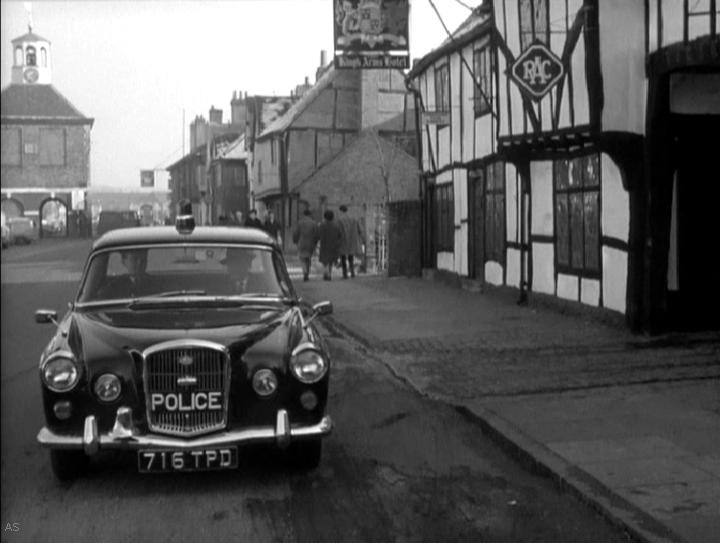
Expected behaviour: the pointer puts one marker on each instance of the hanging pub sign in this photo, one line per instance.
(147, 178)
(371, 34)
(537, 70)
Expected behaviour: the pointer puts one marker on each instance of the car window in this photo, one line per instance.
(172, 270)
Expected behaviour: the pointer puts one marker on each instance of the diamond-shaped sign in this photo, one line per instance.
(537, 70)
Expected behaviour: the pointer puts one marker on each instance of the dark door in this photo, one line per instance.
(476, 184)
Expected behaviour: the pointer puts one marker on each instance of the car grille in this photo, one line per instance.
(177, 394)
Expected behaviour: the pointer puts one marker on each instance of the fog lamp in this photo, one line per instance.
(264, 382)
(62, 410)
(107, 387)
(308, 400)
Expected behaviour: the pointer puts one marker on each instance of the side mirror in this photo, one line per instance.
(323, 308)
(44, 316)
(319, 309)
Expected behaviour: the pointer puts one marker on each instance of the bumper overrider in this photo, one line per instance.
(125, 435)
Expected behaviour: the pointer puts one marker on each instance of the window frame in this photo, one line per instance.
(527, 37)
(495, 213)
(442, 87)
(444, 217)
(569, 240)
(484, 79)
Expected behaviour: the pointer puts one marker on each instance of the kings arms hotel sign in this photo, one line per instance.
(371, 33)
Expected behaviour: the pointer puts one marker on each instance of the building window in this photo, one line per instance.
(442, 88)
(11, 155)
(701, 18)
(272, 151)
(52, 147)
(495, 212)
(18, 56)
(444, 217)
(534, 22)
(484, 67)
(259, 172)
(30, 58)
(577, 215)
(43, 57)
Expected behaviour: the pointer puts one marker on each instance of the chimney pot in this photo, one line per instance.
(307, 80)
(323, 58)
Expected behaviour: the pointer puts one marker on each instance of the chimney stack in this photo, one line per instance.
(323, 58)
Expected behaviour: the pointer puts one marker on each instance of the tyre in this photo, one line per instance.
(69, 465)
(305, 455)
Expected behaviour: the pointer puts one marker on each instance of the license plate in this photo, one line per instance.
(162, 461)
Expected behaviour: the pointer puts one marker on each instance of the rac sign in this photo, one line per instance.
(537, 70)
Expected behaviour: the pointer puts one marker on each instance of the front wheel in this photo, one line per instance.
(68, 465)
(305, 455)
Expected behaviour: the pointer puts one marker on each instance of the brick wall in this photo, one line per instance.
(404, 239)
(31, 173)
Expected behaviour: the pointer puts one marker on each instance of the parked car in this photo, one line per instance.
(184, 345)
(111, 220)
(22, 230)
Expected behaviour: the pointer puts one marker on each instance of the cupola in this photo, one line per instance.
(31, 60)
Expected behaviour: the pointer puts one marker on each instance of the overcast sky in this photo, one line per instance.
(135, 66)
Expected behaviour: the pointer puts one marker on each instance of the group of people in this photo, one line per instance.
(271, 224)
(339, 239)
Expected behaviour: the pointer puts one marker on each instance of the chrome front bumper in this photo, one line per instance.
(125, 435)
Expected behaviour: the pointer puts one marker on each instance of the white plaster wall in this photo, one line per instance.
(455, 110)
(579, 83)
(615, 220)
(483, 136)
(542, 197)
(512, 263)
(543, 258)
(511, 203)
(468, 112)
(493, 273)
(443, 146)
(590, 291)
(622, 59)
(615, 272)
(567, 287)
(445, 261)
(461, 216)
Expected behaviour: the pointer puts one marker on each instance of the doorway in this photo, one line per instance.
(693, 287)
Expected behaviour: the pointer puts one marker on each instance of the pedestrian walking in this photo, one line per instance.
(252, 220)
(330, 235)
(272, 226)
(305, 236)
(352, 242)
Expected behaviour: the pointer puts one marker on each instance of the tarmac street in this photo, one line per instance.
(629, 423)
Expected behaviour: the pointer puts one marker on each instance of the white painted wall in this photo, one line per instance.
(590, 291)
(541, 187)
(615, 265)
(493, 273)
(446, 261)
(567, 287)
(622, 60)
(512, 263)
(615, 221)
(512, 232)
(543, 260)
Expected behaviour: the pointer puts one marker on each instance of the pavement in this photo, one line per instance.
(630, 424)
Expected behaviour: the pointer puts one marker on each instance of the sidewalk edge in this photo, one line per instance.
(617, 510)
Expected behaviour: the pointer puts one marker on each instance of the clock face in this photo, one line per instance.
(31, 75)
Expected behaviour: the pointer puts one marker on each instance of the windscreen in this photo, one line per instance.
(188, 270)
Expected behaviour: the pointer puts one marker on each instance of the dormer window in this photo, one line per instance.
(30, 57)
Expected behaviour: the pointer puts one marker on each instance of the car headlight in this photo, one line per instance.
(307, 364)
(107, 387)
(264, 382)
(60, 373)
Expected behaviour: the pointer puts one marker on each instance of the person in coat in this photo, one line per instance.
(330, 234)
(353, 240)
(305, 236)
(252, 220)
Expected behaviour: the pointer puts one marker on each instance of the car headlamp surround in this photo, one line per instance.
(308, 364)
(60, 372)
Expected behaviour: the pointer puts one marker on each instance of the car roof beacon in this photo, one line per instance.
(185, 222)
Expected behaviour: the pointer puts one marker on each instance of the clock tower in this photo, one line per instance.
(31, 60)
